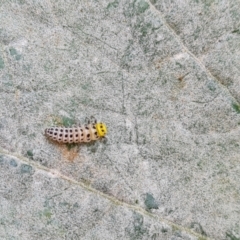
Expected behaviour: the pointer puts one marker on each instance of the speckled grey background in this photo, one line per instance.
(163, 76)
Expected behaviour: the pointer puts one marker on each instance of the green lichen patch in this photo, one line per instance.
(236, 31)
(13, 163)
(46, 213)
(26, 168)
(112, 5)
(231, 236)
(67, 122)
(30, 154)
(13, 51)
(48, 66)
(164, 230)
(150, 202)
(211, 86)
(236, 107)
(1, 158)
(142, 6)
(139, 228)
(21, 2)
(18, 57)
(1, 63)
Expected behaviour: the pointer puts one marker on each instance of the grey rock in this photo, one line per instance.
(163, 76)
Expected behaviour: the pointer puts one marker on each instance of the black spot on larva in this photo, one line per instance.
(76, 135)
(60, 135)
(88, 139)
(101, 126)
(76, 130)
(71, 136)
(66, 135)
(51, 129)
(61, 130)
(70, 130)
(87, 127)
(55, 133)
(65, 140)
(102, 130)
(59, 139)
(66, 130)
(95, 133)
(82, 135)
(88, 135)
(56, 129)
(82, 139)
(81, 130)
(51, 132)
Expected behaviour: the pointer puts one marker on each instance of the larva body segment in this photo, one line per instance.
(84, 133)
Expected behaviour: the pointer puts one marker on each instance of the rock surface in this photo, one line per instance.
(163, 76)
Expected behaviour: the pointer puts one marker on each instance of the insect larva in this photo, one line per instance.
(85, 133)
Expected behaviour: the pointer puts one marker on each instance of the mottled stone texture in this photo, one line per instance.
(163, 76)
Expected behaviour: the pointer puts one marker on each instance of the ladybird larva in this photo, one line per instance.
(85, 133)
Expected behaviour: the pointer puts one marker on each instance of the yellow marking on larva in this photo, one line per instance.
(85, 133)
(101, 129)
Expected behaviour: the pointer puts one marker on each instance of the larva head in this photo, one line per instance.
(101, 129)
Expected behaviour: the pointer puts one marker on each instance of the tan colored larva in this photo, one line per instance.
(89, 132)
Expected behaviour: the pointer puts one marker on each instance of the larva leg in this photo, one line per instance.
(104, 139)
(94, 120)
(78, 124)
(87, 120)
